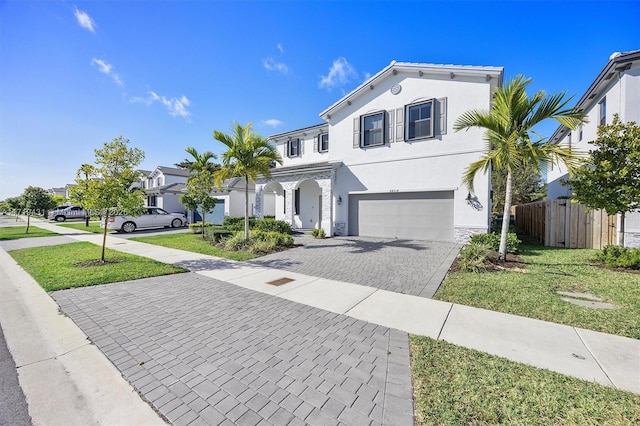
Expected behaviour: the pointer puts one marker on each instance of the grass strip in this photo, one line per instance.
(459, 386)
(533, 294)
(194, 243)
(57, 267)
(16, 232)
(93, 227)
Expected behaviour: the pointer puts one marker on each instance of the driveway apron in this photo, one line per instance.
(203, 351)
(402, 266)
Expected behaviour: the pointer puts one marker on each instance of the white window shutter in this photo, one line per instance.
(300, 147)
(390, 125)
(316, 142)
(356, 132)
(399, 124)
(442, 115)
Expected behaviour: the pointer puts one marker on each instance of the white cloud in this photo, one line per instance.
(273, 122)
(280, 48)
(367, 76)
(84, 20)
(340, 73)
(271, 65)
(177, 107)
(106, 68)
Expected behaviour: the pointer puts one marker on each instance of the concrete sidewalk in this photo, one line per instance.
(607, 359)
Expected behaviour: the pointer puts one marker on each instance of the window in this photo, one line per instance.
(323, 142)
(297, 201)
(580, 133)
(151, 201)
(293, 148)
(603, 112)
(372, 129)
(159, 181)
(419, 121)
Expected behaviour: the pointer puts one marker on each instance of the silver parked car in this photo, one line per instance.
(62, 213)
(153, 217)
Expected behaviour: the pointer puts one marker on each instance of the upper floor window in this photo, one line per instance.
(372, 129)
(159, 181)
(293, 148)
(603, 112)
(323, 142)
(580, 133)
(420, 122)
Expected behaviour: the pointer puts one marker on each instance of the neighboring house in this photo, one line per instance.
(62, 192)
(386, 162)
(616, 90)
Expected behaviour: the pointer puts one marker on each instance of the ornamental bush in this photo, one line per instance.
(620, 257)
(493, 241)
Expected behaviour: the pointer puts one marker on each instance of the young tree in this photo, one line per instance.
(36, 200)
(248, 155)
(610, 179)
(509, 126)
(109, 183)
(79, 191)
(200, 183)
(14, 204)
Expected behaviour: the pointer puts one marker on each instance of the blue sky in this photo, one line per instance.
(165, 74)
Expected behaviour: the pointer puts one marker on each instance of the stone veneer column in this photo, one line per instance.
(259, 201)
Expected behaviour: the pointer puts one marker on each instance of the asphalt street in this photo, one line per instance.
(13, 406)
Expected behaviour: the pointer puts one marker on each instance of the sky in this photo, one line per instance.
(165, 74)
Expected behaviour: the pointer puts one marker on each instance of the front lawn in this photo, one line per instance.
(194, 243)
(459, 386)
(93, 227)
(70, 265)
(15, 232)
(533, 294)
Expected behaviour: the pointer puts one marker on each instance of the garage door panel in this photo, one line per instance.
(425, 216)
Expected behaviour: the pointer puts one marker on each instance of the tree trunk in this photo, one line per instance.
(203, 220)
(104, 234)
(621, 230)
(28, 223)
(506, 216)
(246, 208)
(86, 217)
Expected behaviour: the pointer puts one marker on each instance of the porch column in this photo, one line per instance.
(289, 202)
(259, 201)
(326, 221)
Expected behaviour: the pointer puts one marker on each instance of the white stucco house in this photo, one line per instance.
(616, 90)
(386, 162)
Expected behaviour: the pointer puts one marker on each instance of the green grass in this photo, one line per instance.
(459, 386)
(194, 243)
(15, 232)
(533, 294)
(93, 227)
(54, 267)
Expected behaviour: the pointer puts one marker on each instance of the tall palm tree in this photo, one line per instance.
(248, 155)
(202, 170)
(509, 127)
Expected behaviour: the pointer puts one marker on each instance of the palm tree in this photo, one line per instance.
(248, 155)
(509, 125)
(202, 169)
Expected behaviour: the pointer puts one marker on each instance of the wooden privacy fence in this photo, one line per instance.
(561, 223)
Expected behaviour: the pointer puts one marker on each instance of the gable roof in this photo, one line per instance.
(618, 62)
(174, 171)
(419, 69)
(315, 129)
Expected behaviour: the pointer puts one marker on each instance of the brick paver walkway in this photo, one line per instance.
(409, 267)
(207, 352)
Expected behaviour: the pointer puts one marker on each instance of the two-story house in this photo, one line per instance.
(386, 162)
(616, 90)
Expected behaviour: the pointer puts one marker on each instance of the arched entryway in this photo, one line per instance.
(307, 205)
(273, 202)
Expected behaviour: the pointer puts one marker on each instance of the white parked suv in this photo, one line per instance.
(153, 217)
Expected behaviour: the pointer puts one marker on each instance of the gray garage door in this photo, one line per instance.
(409, 215)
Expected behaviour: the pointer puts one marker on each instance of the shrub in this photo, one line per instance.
(235, 242)
(273, 225)
(235, 224)
(276, 238)
(259, 241)
(196, 228)
(318, 233)
(473, 257)
(493, 241)
(620, 257)
(217, 234)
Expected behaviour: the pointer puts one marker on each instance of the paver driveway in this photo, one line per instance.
(203, 351)
(409, 267)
